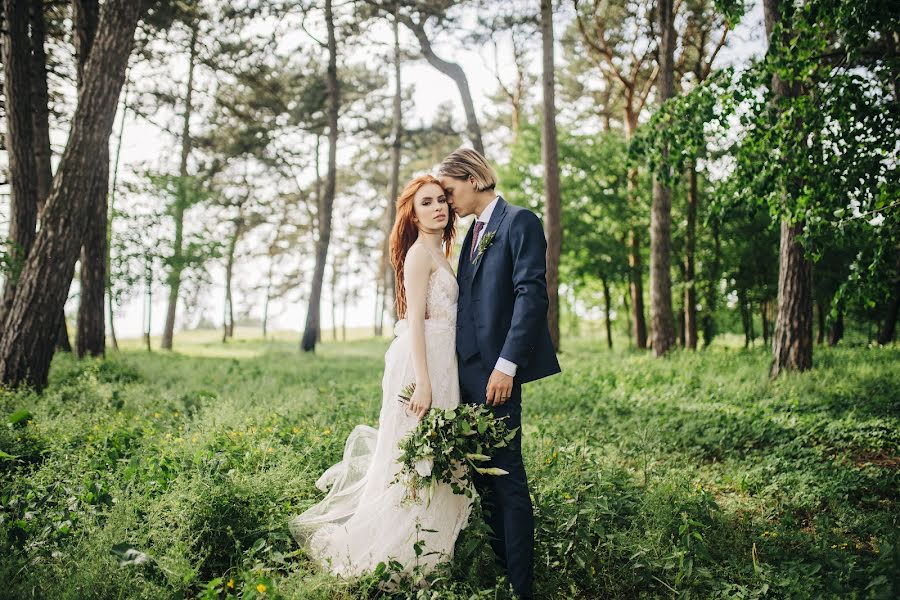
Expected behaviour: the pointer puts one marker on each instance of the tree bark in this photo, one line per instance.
(712, 291)
(20, 142)
(390, 282)
(90, 327)
(690, 273)
(112, 198)
(607, 309)
(889, 325)
(764, 315)
(228, 317)
(181, 200)
(26, 345)
(312, 330)
(43, 153)
(550, 155)
(662, 321)
(454, 72)
(820, 314)
(792, 342)
(837, 329)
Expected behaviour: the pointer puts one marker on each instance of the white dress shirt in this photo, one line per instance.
(503, 365)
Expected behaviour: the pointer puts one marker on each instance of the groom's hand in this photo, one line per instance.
(499, 388)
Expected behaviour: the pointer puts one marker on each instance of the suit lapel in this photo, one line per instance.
(493, 225)
(464, 252)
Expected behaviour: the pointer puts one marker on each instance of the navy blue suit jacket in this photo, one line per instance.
(503, 296)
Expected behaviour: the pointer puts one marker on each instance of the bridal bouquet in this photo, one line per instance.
(446, 444)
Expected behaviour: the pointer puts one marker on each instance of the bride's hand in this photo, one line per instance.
(420, 401)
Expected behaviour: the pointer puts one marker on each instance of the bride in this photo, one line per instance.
(363, 520)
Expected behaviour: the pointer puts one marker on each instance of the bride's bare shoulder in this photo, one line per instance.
(418, 263)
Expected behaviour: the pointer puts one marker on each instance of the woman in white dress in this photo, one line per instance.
(363, 519)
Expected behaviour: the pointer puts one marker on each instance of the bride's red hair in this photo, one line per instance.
(405, 231)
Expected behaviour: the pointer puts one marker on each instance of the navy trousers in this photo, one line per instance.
(504, 498)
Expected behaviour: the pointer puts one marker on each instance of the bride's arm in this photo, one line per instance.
(416, 272)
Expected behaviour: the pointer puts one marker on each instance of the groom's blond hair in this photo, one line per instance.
(465, 163)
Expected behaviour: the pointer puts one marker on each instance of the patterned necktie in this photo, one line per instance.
(478, 227)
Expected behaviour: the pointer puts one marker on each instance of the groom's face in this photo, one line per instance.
(460, 194)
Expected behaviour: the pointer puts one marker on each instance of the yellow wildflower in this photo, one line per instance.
(261, 588)
(230, 583)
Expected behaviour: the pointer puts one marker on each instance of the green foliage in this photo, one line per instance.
(446, 446)
(690, 477)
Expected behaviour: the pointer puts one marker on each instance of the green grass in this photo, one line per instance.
(692, 476)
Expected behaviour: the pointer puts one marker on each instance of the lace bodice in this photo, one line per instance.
(442, 295)
(440, 300)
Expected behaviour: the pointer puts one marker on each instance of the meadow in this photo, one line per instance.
(173, 475)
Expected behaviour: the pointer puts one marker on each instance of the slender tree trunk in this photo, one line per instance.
(177, 260)
(712, 288)
(889, 325)
(550, 155)
(627, 312)
(396, 147)
(764, 314)
(636, 276)
(820, 316)
(661, 316)
(792, 343)
(90, 334)
(607, 310)
(454, 72)
(312, 330)
(31, 325)
(745, 315)
(112, 200)
(690, 272)
(228, 317)
(334, 300)
(837, 328)
(148, 307)
(41, 107)
(20, 143)
(379, 306)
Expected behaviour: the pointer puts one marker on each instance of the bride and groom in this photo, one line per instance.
(474, 337)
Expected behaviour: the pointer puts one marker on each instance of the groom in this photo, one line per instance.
(502, 341)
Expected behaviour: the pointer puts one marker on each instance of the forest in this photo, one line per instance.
(195, 203)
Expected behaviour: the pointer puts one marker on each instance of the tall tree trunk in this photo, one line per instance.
(662, 321)
(313, 327)
(109, 220)
(690, 273)
(379, 306)
(889, 325)
(745, 318)
(837, 328)
(334, 300)
(454, 72)
(181, 200)
(148, 305)
(607, 309)
(43, 154)
(90, 327)
(712, 288)
(792, 343)
(389, 281)
(41, 104)
(31, 326)
(20, 143)
(820, 315)
(636, 276)
(228, 317)
(550, 155)
(764, 315)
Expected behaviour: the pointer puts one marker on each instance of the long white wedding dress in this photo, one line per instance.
(362, 520)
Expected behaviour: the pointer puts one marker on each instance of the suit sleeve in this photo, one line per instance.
(529, 274)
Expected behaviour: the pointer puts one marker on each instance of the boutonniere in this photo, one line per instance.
(485, 241)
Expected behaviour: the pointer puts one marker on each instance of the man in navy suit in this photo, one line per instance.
(502, 341)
